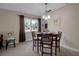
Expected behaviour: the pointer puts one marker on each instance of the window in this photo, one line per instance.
(34, 25)
(31, 24)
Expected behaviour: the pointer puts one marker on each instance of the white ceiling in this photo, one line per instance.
(37, 9)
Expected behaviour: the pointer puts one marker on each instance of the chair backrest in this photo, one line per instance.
(34, 34)
(59, 35)
(47, 37)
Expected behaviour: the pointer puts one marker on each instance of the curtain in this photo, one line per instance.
(39, 28)
(21, 29)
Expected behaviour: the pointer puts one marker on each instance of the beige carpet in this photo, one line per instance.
(25, 49)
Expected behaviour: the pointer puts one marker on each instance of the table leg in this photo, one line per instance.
(37, 45)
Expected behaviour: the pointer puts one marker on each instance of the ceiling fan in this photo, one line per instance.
(49, 9)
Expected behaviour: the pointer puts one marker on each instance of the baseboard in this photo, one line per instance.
(70, 48)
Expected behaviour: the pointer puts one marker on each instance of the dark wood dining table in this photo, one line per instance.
(39, 35)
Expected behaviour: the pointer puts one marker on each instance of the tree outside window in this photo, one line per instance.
(31, 24)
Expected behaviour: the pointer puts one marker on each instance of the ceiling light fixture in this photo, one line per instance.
(46, 16)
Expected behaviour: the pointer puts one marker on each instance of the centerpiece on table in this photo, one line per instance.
(45, 30)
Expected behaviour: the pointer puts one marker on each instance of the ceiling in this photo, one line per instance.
(37, 9)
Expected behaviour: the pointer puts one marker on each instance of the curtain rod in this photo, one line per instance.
(30, 17)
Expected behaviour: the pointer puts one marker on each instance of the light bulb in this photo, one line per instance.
(48, 16)
(43, 16)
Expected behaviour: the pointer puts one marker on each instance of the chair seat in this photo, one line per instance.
(39, 37)
(55, 39)
(36, 37)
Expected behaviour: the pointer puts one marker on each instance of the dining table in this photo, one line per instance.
(39, 35)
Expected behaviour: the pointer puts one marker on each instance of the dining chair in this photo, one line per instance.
(57, 41)
(47, 44)
(34, 39)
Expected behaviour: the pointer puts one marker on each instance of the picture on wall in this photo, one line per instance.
(57, 21)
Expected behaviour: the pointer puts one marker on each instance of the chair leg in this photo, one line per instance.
(14, 43)
(59, 46)
(56, 48)
(42, 48)
(33, 44)
(0, 45)
(59, 49)
(40, 45)
(6, 45)
(51, 48)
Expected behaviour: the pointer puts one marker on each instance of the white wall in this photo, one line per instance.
(9, 22)
(69, 25)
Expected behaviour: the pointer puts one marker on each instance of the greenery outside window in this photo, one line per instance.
(31, 24)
